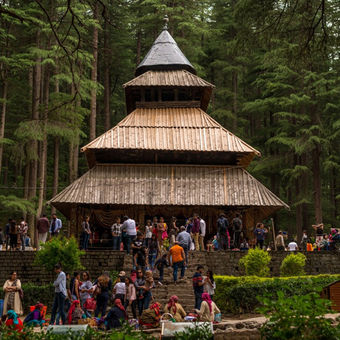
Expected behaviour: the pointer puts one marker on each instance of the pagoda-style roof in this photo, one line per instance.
(164, 55)
(177, 78)
(170, 129)
(171, 185)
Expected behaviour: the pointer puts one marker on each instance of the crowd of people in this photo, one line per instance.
(80, 300)
(320, 242)
(229, 234)
(16, 237)
(155, 236)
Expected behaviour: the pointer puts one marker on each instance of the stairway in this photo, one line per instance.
(183, 289)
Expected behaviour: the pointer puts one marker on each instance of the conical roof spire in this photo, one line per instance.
(165, 55)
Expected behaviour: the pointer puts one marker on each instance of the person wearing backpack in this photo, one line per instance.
(237, 229)
(223, 234)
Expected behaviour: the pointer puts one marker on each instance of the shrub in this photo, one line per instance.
(60, 250)
(297, 317)
(198, 332)
(256, 262)
(238, 294)
(293, 264)
(125, 333)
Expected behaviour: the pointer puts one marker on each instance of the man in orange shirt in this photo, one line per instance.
(177, 259)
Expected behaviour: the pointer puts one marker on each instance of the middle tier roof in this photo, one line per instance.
(190, 132)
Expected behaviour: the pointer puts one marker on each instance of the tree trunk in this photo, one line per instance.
(55, 170)
(34, 144)
(299, 217)
(43, 159)
(70, 162)
(333, 191)
(56, 157)
(94, 76)
(139, 44)
(107, 80)
(3, 119)
(28, 164)
(75, 161)
(235, 87)
(317, 184)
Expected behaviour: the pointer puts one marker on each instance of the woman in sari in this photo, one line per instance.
(151, 316)
(208, 309)
(116, 315)
(12, 300)
(75, 313)
(35, 318)
(13, 321)
(175, 309)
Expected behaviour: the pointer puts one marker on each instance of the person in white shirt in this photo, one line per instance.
(202, 233)
(148, 233)
(120, 289)
(129, 226)
(292, 246)
(209, 284)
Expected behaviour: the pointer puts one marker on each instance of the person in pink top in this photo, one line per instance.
(130, 296)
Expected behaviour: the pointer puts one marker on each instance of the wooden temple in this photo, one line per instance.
(167, 157)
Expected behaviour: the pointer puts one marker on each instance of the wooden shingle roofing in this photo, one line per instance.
(178, 78)
(182, 185)
(171, 129)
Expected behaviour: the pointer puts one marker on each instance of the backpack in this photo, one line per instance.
(222, 226)
(237, 224)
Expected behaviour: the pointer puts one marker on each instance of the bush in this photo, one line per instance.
(238, 294)
(256, 262)
(293, 264)
(34, 294)
(125, 333)
(298, 317)
(60, 250)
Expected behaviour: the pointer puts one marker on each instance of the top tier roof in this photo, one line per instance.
(165, 55)
(177, 78)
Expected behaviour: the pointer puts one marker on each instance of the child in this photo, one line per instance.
(165, 245)
(160, 264)
(149, 283)
(130, 296)
(148, 233)
(215, 243)
(244, 245)
(210, 246)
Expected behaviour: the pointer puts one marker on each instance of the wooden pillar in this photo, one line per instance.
(141, 214)
(72, 223)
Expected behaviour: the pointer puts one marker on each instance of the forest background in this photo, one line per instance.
(275, 65)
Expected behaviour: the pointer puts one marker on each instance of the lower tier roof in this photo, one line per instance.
(177, 185)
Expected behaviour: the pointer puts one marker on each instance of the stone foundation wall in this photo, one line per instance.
(226, 263)
(221, 263)
(22, 262)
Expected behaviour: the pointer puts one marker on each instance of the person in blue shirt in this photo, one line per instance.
(260, 232)
(55, 225)
(60, 294)
(197, 282)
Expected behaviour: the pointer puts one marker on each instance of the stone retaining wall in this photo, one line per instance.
(95, 262)
(221, 263)
(226, 263)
